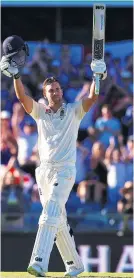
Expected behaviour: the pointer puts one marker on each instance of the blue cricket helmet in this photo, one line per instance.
(15, 48)
(12, 44)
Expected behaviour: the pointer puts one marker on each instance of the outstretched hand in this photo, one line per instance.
(8, 67)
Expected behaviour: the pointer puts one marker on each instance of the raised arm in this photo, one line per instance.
(91, 98)
(14, 58)
(10, 70)
(25, 100)
(99, 68)
(84, 92)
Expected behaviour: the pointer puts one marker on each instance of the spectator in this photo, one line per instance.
(129, 63)
(125, 208)
(127, 151)
(108, 60)
(31, 220)
(127, 81)
(130, 148)
(5, 117)
(119, 172)
(65, 56)
(26, 139)
(34, 158)
(117, 98)
(19, 116)
(6, 102)
(55, 68)
(99, 172)
(115, 71)
(93, 187)
(83, 191)
(87, 68)
(5, 152)
(13, 202)
(8, 149)
(107, 126)
(81, 163)
(39, 68)
(127, 120)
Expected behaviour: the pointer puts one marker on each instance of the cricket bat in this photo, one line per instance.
(98, 38)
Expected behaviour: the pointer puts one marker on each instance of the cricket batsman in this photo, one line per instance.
(57, 126)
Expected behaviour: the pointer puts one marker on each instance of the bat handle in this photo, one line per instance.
(97, 84)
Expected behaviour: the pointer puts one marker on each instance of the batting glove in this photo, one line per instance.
(99, 67)
(8, 68)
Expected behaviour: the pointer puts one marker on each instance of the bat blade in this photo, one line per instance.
(98, 41)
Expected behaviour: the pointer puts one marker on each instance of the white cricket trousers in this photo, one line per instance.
(55, 183)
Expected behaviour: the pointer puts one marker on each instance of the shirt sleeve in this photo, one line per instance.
(79, 111)
(35, 111)
(98, 124)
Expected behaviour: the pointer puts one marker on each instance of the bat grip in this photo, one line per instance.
(97, 84)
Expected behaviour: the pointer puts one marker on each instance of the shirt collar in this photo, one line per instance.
(50, 111)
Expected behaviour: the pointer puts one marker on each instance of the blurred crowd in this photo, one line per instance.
(104, 180)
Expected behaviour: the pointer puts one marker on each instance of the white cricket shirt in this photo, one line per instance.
(57, 132)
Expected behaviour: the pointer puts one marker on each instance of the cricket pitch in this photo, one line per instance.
(61, 274)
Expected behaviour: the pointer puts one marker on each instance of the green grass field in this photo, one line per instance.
(60, 274)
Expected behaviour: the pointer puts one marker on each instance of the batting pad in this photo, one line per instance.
(48, 225)
(67, 248)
